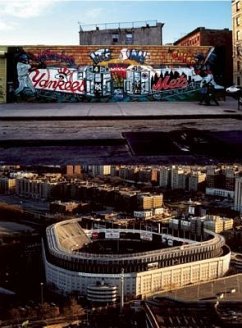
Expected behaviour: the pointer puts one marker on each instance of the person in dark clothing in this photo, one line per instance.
(204, 93)
(211, 95)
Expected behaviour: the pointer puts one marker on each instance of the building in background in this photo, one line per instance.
(147, 201)
(99, 170)
(7, 185)
(35, 188)
(218, 224)
(220, 181)
(3, 74)
(238, 195)
(164, 176)
(237, 41)
(178, 177)
(128, 33)
(195, 180)
(221, 59)
(73, 170)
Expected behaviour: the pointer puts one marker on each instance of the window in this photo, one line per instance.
(129, 38)
(237, 35)
(238, 65)
(237, 21)
(237, 6)
(115, 37)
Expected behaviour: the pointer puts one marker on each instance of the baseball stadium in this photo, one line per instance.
(102, 264)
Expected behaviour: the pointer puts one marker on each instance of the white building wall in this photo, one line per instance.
(180, 275)
(142, 283)
(220, 192)
(238, 194)
(143, 214)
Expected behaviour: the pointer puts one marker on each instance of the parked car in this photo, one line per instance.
(234, 90)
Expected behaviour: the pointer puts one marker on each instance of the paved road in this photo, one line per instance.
(102, 142)
(28, 136)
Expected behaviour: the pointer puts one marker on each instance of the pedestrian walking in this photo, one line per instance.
(211, 94)
(204, 93)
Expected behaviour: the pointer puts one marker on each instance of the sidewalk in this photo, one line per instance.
(119, 110)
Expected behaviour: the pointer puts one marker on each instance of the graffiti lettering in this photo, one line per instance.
(183, 57)
(42, 80)
(166, 83)
(48, 55)
(118, 72)
(100, 55)
(138, 55)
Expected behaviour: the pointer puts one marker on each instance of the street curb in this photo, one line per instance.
(122, 118)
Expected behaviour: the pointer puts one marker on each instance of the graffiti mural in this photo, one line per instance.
(109, 76)
(1, 93)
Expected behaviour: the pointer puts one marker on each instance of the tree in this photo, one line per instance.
(72, 308)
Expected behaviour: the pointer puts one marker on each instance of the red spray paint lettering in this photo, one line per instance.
(165, 84)
(42, 80)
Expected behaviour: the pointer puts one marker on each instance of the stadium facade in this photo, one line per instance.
(137, 263)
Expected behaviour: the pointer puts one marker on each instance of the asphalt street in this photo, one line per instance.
(65, 134)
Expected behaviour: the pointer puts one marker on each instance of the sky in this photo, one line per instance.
(56, 22)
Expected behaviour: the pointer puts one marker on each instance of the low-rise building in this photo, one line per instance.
(128, 33)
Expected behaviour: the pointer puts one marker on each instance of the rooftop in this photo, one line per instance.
(118, 25)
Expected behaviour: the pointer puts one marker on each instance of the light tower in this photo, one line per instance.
(121, 290)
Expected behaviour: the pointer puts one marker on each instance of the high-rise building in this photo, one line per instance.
(195, 179)
(237, 41)
(229, 178)
(238, 195)
(178, 178)
(220, 181)
(164, 176)
(101, 170)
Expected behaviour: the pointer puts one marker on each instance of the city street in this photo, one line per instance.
(120, 133)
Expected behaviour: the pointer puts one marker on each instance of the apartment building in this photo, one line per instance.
(164, 177)
(126, 33)
(34, 188)
(196, 224)
(99, 170)
(146, 201)
(221, 40)
(237, 41)
(217, 224)
(178, 177)
(7, 185)
(238, 195)
(220, 181)
(195, 179)
(73, 170)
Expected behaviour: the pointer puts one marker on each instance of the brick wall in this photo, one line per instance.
(113, 73)
(156, 55)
